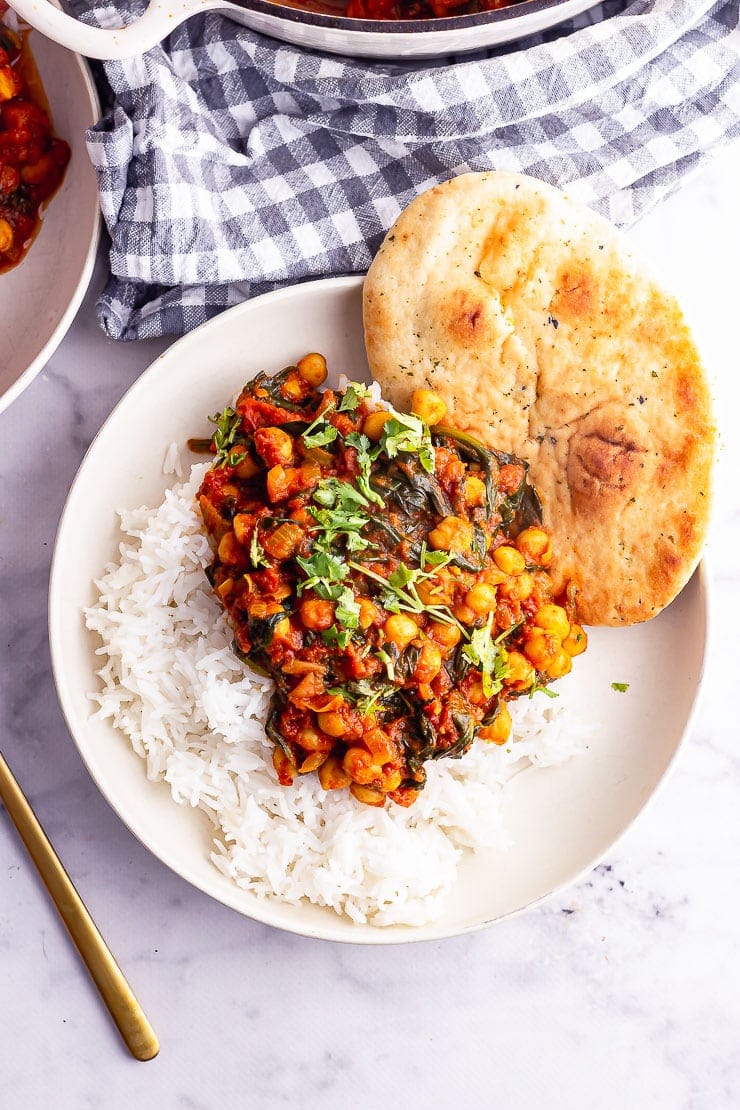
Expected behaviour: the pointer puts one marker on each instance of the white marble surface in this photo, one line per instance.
(622, 992)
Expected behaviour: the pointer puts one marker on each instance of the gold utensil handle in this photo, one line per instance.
(107, 975)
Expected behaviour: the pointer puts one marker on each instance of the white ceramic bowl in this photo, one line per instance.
(360, 38)
(40, 297)
(562, 820)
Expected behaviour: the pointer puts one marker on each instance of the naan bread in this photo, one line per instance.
(545, 336)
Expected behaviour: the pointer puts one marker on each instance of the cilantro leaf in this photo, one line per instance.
(405, 432)
(347, 611)
(322, 437)
(256, 551)
(365, 460)
(621, 687)
(324, 432)
(488, 656)
(325, 571)
(353, 394)
(538, 688)
(336, 637)
(227, 425)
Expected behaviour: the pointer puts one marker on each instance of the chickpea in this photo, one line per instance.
(278, 484)
(242, 524)
(361, 766)
(560, 666)
(519, 588)
(374, 423)
(576, 641)
(535, 546)
(499, 731)
(390, 779)
(332, 775)
(400, 630)
(367, 794)
(452, 534)
(519, 671)
(368, 613)
(311, 740)
(481, 599)
(246, 468)
(474, 492)
(230, 551)
(464, 613)
(293, 388)
(316, 614)
(494, 577)
(428, 405)
(553, 618)
(438, 590)
(475, 692)
(447, 635)
(541, 648)
(273, 445)
(332, 724)
(429, 665)
(509, 560)
(312, 368)
(6, 236)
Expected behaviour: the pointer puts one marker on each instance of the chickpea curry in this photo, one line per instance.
(387, 571)
(400, 9)
(32, 159)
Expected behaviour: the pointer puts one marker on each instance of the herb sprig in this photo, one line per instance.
(227, 425)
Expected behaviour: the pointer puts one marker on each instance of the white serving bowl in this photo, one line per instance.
(40, 297)
(561, 819)
(359, 38)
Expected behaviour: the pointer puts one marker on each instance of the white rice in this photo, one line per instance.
(171, 682)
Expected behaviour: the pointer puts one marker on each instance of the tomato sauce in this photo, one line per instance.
(32, 159)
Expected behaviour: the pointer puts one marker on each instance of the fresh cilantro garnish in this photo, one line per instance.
(353, 394)
(405, 432)
(347, 611)
(433, 558)
(325, 572)
(363, 694)
(385, 658)
(398, 593)
(538, 688)
(322, 437)
(227, 425)
(336, 637)
(489, 657)
(341, 514)
(621, 687)
(256, 550)
(361, 445)
(321, 432)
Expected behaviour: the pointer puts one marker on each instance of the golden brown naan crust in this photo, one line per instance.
(532, 318)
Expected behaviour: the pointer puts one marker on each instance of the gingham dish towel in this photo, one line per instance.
(229, 163)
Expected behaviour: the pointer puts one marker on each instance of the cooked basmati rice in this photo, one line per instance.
(172, 684)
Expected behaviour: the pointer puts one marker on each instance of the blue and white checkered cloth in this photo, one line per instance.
(230, 163)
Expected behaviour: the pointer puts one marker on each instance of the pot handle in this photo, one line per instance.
(159, 19)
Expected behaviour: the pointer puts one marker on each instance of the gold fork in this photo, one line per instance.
(106, 974)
